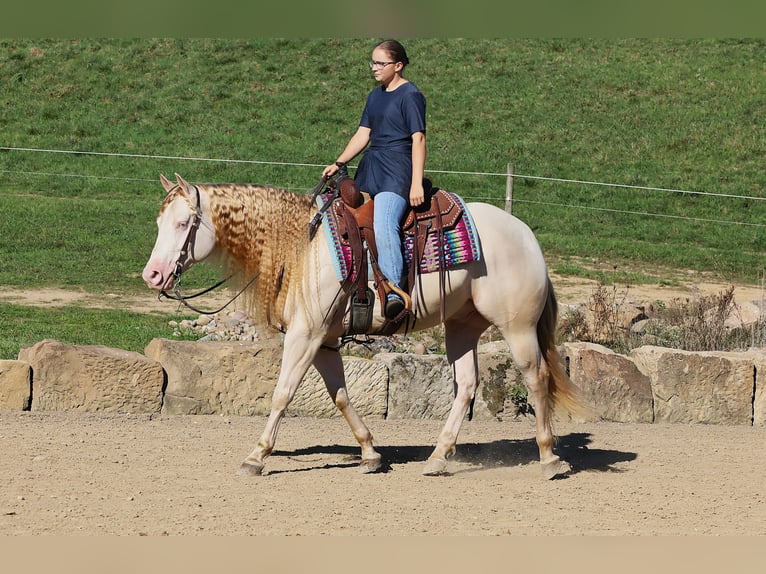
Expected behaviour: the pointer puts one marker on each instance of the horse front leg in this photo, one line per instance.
(297, 355)
(329, 364)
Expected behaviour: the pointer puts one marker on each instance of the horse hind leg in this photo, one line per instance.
(329, 364)
(536, 373)
(461, 337)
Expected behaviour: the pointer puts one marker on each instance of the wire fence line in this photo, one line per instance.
(429, 171)
(642, 213)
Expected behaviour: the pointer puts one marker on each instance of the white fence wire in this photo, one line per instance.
(464, 173)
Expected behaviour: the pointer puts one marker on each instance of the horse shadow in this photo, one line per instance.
(573, 448)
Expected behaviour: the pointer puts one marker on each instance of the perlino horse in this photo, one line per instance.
(262, 232)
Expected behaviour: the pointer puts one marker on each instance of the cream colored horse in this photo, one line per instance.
(263, 232)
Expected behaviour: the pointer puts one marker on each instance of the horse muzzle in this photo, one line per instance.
(158, 276)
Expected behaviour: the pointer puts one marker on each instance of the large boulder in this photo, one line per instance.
(698, 387)
(612, 384)
(759, 396)
(228, 378)
(744, 316)
(15, 385)
(423, 387)
(367, 385)
(759, 400)
(238, 378)
(92, 378)
(502, 393)
(419, 386)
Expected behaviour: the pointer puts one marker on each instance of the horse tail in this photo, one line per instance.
(562, 392)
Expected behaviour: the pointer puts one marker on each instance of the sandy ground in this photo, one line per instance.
(81, 473)
(85, 473)
(53, 297)
(569, 291)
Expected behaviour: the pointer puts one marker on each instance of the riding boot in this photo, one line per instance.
(396, 300)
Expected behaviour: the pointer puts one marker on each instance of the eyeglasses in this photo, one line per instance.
(374, 64)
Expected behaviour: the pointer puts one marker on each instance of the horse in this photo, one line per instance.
(261, 234)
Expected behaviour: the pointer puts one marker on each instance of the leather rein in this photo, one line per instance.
(184, 256)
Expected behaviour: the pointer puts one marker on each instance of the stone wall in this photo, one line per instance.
(651, 384)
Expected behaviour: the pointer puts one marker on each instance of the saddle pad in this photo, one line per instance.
(461, 244)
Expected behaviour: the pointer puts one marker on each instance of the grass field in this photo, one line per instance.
(677, 125)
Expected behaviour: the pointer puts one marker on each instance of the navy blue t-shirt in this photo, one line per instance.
(392, 118)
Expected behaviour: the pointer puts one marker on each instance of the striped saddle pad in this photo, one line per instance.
(460, 242)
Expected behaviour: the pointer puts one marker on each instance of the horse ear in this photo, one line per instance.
(184, 185)
(166, 183)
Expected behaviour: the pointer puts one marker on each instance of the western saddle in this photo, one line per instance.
(354, 216)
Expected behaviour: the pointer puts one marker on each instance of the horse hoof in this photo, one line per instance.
(554, 468)
(250, 469)
(435, 467)
(369, 465)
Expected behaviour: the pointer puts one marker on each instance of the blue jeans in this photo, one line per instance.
(389, 212)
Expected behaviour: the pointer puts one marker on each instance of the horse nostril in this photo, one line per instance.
(153, 277)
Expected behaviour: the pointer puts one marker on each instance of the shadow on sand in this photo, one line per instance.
(573, 448)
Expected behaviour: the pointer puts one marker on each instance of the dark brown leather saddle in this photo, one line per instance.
(354, 217)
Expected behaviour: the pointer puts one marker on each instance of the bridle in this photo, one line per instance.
(184, 256)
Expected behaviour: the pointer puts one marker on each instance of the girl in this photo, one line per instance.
(393, 123)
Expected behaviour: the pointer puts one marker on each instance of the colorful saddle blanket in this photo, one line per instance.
(460, 244)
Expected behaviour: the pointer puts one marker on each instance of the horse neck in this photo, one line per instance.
(262, 231)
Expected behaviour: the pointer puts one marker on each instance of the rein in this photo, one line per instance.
(178, 296)
(183, 258)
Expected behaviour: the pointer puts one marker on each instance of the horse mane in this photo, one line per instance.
(262, 232)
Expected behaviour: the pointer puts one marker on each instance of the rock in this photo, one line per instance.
(612, 384)
(15, 385)
(92, 378)
(494, 347)
(704, 387)
(237, 316)
(422, 386)
(238, 378)
(418, 386)
(744, 315)
(229, 378)
(366, 383)
(419, 348)
(501, 386)
(759, 396)
(759, 399)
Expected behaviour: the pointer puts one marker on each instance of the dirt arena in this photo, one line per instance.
(135, 475)
(84, 474)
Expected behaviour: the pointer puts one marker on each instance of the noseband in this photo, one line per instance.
(184, 257)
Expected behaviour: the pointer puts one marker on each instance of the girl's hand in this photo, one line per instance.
(330, 170)
(417, 195)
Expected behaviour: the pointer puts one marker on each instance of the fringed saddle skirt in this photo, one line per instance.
(460, 244)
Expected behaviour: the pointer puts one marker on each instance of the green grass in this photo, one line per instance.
(660, 113)
(22, 326)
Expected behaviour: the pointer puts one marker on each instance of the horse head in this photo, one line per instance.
(185, 233)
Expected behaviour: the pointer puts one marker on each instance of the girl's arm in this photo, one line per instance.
(354, 147)
(417, 195)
